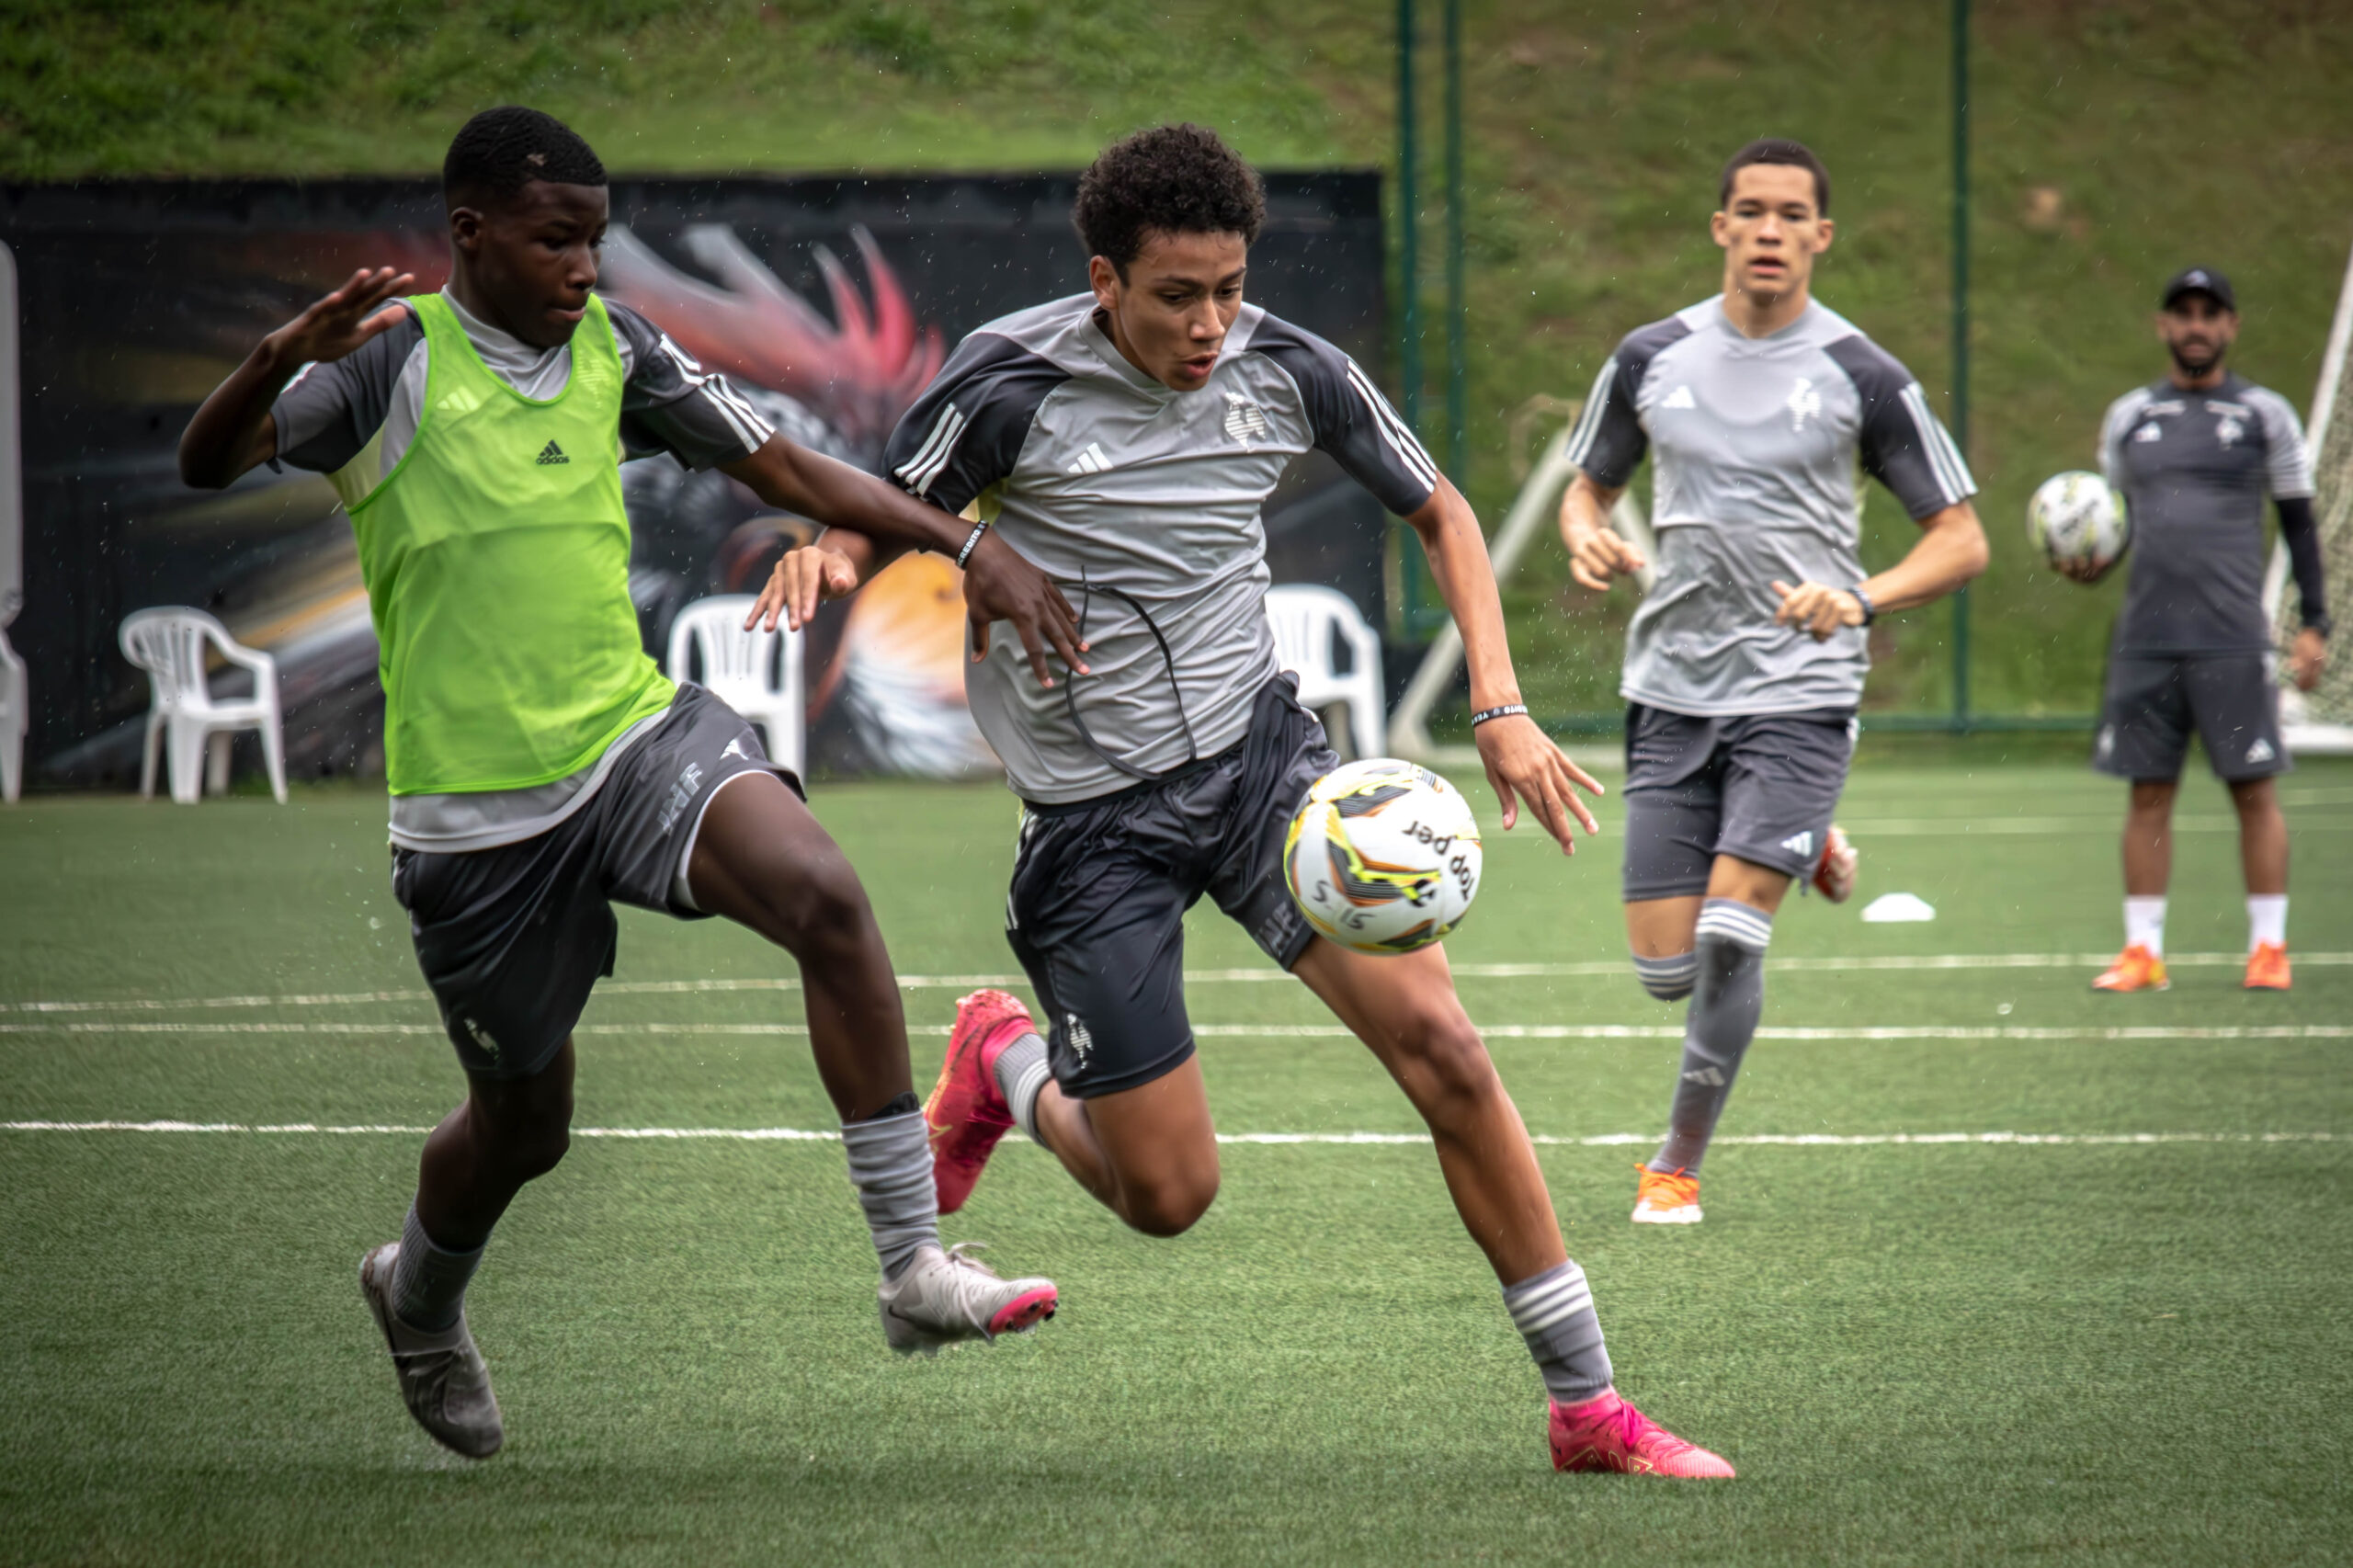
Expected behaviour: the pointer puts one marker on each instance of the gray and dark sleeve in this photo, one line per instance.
(1349, 417)
(966, 432)
(1608, 441)
(672, 404)
(2301, 534)
(332, 409)
(1902, 443)
(2113, 430)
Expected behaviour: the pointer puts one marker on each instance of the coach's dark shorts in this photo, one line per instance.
(513, 940)
(2155, 699)
(1100, 887)
(1761, 788)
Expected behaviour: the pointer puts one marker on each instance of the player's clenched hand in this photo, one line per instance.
(2086, 570)
(335, 325)
(804, 579)
(1820, 611)
(1524, 765)
(1000, 584)
(2307, 656)
(1599, 555)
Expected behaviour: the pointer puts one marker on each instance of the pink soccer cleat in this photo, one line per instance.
(1609, 1434)
(967, 1114)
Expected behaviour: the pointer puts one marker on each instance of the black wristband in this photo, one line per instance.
(1505, 711)
(1871, 610)
(971, 542)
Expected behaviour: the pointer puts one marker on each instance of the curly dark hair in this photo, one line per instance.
(1173, 179)
(1779, 150)
(500, 151)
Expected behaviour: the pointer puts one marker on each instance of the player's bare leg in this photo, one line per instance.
(1149, 1154)
(2148, 866)
(2263, 856)
(763, 860)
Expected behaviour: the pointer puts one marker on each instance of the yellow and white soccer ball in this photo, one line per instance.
(2075, 518)
(1384, 858)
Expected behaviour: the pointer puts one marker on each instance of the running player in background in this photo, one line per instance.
(2192, 456)
(1744, 663)
(1125, 439)
(540, 766)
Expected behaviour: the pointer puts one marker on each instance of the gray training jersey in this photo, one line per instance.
(2192, 468)
(1107, 481)
(1757, 442)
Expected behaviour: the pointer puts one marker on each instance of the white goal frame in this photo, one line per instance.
(2302, 732)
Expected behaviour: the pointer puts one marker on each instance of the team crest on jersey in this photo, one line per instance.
(1245, 420)
(2228, 430)
(2152, 431)
(1805, 402)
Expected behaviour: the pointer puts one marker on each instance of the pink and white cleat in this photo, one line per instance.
(1834, 874)
(967, 1114)
(1609, 1434)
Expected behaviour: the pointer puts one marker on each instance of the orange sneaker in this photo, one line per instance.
(2267, 967)
(1666, 1197)
(1609, 1434)
(2136, 969)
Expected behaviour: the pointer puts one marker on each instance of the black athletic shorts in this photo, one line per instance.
(512, 939)
(1761, 788)
(1100, 887)
(2153, 701)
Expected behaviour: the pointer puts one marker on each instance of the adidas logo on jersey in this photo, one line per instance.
(1091, 461)
(1245, 420)
(552, 453)
(1800, 844)
(2261, 751)
(735, 748)
(1680, 398)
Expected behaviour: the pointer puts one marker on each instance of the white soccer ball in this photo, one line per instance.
(1384, 858)
(2076, 520)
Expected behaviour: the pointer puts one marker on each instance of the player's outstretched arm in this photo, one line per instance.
(831, 568)
(233, 430)
(1596, 553)
(1949, 553)
(999, 584)
(1522, 763)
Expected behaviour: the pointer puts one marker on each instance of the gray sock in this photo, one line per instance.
(1020, 1074)
(1726, 1002)
(429, 1281)
(890, 1164)
(1554, 1313)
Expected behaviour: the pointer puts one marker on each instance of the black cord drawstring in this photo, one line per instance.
(1069, 685)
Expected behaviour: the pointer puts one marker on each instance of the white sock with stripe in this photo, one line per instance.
(2144, 923)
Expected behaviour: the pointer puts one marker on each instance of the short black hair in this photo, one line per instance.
(1779, 150)
(1173, 179)
(500, 151)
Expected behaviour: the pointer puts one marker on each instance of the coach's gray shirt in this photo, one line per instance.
(2192, 468)
(1758, 440)
(1107, 479)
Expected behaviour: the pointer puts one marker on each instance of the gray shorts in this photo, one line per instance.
(2153, 701)
(513, 940)
(1100, 887)
(1762, 789)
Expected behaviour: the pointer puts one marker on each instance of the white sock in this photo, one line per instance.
(1021, 1073)
(2145, 923)
(2267, 919)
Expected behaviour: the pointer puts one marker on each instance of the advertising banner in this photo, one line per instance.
(828, 303)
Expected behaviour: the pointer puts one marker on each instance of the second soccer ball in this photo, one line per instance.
(2076, 520)
(1384, 858)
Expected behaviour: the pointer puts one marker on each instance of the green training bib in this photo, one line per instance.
(495, 556)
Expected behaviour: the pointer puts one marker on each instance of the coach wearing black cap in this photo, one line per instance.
(2192, 456)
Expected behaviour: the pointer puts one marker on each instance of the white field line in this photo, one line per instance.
(1599, 1140)
(1310, 1031)
(1846, 964)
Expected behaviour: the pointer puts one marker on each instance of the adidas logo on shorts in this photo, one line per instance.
(1800, 844)
(2261, 751)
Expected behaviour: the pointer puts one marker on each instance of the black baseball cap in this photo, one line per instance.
(2200, 280)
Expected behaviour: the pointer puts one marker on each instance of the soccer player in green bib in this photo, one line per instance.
(540, 766)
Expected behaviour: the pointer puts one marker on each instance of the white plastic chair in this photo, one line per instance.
(756, 673)
(16, 717)
(168, 642)
(1306, 619)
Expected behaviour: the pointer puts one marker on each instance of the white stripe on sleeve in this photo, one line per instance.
(1392, 430)
(1944, 457)
(931, 461)
(1589, 422)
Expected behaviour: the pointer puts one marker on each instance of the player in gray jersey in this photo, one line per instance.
(1744, 663)
(2192, 456)
(1125, 439)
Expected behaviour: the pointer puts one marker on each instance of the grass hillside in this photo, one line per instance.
(2115, 141)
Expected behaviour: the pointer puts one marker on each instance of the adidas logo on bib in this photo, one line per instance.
(1800, 844)
(552, 453)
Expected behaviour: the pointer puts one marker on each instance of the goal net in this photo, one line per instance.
(2322, 719)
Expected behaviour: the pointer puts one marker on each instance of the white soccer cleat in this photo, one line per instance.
(946, 1296)
(1834, 874)
(442, 1378)
(1666, 1197)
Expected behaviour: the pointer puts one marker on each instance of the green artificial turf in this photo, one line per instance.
(2077, 1352)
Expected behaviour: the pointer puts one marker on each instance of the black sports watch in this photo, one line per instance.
(1871, 610)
